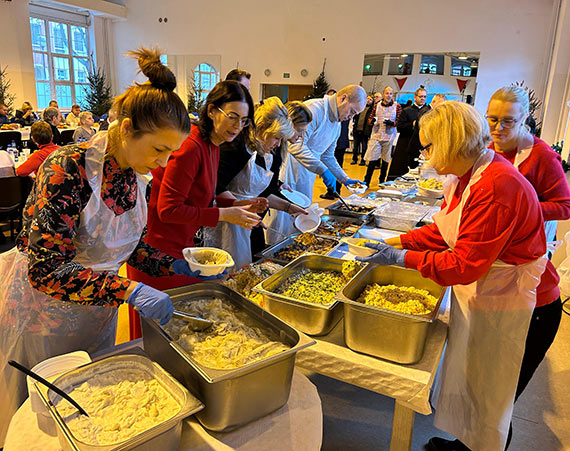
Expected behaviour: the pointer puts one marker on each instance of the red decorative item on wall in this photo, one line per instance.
(400, 81)
(461, 84)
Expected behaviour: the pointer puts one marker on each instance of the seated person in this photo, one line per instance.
(6, 165)
(85, 130)
(52, 116)
(72, 118)
(4, 116)
(25, 116)
(42, 136)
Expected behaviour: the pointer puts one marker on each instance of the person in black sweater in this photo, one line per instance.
(52, 116)
(25, 116)
(361, 131)
(406, 123)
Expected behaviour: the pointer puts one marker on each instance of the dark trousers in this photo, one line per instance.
(543, 327)
(359, 145)
(372, 166)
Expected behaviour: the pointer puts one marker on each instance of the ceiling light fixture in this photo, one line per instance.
(403, 55)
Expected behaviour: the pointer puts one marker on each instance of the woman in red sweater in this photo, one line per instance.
(42, 135)
(542, 167)
(183, 196)
(487, 243)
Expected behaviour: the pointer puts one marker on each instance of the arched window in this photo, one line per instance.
(205, 78)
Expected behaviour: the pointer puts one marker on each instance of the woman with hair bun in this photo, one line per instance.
(246, 172)
(183, 196)
(83, 219)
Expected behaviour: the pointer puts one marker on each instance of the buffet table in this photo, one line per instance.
(296, 425)
(409, 385)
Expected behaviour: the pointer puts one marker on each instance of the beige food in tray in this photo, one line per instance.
(233, 341)
(210, 258)
(120, 404)
(247, 278)
(304, 243)
(431, 184)
(408, 300)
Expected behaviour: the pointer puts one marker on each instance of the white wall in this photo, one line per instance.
(513, 36)
(16, 51)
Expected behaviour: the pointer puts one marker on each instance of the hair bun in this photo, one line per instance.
(159, 76)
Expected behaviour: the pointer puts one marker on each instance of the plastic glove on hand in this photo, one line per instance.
(389, 123)
(386, 255)
(151, 303)
(329, 180)
(181, 268)
(353, 182)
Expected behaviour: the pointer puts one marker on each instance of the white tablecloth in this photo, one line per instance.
(298, 425)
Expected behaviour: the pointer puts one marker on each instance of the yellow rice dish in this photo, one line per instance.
(431, 184)
(410, 300)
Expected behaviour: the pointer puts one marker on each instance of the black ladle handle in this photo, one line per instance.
(40, 379)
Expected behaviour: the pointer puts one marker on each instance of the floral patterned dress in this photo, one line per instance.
(51, 303)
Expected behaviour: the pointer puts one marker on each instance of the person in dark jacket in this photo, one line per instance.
(405, 126)
(53, 117)
(414, 144)
(25, 116)
(361, 131)
(342, 144)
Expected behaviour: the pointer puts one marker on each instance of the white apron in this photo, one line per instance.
(249, 183)
(34, 326)
(487, 333)
(382, 137)
(549, 226)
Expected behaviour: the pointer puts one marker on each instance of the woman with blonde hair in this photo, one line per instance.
(488, 244)
(25, 116)
(245, 172)
(507, 115)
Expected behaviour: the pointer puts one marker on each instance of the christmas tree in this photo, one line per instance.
(5, 97)
(98, 98)
(194, 100)
(320, 85)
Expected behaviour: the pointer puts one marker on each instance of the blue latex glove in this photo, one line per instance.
(181, 268)
(329, 180)
(386, 255)
(353, 181)
(151, 303)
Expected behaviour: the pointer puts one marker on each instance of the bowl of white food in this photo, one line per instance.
(210, 261)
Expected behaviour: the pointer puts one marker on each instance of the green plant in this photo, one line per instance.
(194, 99)
(98, 98)
(320, 85)
(5, 97)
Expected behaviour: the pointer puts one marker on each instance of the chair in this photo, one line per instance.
(6, 139)
(11, 201)
(67, 136)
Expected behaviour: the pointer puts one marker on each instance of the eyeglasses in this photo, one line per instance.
(235, 119)
(424, 150)
(505, 123)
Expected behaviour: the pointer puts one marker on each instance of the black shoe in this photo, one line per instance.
(327, 196)
(441, 444)
(362, 163)
(353, 162)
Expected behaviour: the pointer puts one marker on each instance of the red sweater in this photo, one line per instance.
(35, 160)
(501, 220)
(181, 202)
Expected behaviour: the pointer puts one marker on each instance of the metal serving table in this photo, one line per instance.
(296, 425)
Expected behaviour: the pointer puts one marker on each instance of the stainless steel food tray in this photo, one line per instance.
(269, 253)
(165, 435)
(383, 333)
(422, 200)
(326, 219)
(312, 319)
(232, 397)
(339, 210)
(400, 216)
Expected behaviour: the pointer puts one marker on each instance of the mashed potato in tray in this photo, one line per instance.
(234, 340)
(120, 404)
(399, 299)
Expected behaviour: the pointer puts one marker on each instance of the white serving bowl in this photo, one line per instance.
(355, 249)
(355, 190)
(433, 193)
(307, 223)
(207, 270)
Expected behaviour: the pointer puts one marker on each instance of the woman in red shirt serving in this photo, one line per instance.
(183, 194)
(487, 243)
(542, 167)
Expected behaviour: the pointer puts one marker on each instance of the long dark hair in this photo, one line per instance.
(223, 92)
(154, 104)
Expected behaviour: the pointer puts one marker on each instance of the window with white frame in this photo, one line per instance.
(61, 61)
(205, 78)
